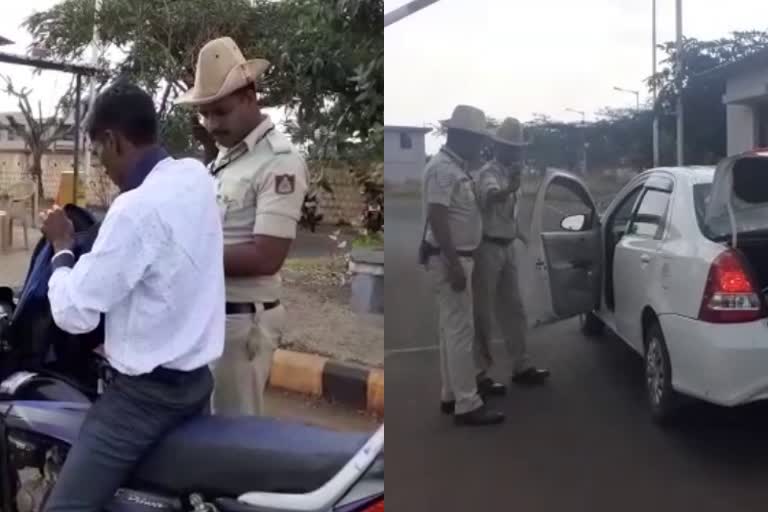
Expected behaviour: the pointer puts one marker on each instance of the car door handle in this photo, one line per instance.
(645, 258)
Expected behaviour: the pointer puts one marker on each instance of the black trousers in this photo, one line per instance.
(127, 420)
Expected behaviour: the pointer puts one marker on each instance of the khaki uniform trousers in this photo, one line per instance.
(242, 373)
(497, 294)
(455, 326)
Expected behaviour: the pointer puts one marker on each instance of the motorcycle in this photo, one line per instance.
(208, 464)
(309, 216)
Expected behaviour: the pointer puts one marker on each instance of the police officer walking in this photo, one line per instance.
(452, 232)
(261, 181)
(495, 283)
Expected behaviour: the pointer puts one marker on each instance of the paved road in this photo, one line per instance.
(582, 443)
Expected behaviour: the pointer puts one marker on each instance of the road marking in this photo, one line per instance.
(410, 350)
(427, 348)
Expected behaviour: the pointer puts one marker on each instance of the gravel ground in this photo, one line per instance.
(314, 294)
(320, 320)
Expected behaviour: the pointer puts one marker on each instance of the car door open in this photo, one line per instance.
(564, 250)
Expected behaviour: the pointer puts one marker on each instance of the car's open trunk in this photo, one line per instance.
(756, 254)
(738, 203)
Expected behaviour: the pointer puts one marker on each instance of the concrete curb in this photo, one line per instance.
(344, 383)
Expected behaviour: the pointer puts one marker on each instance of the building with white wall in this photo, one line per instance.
(404, 153)
(746, 100)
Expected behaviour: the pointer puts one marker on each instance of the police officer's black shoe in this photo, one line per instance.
(448, 407)
(479, 417)
(531, 376)
(486, 386)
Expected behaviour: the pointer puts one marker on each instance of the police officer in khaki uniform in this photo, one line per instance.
(495, 283)
(452, 231)
(261, 181)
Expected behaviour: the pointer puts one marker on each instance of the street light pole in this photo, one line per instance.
(630, 91)
(95, 44)
(680, 134)
(583, 138)
(653, 87)
(406, 10)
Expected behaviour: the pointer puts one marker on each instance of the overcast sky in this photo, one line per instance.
(48, 86)
(514, 57)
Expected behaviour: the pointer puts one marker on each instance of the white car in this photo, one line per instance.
(677, 267)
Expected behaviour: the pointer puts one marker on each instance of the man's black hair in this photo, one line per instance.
(127, 109)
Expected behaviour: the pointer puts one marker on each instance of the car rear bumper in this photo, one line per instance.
(726, 364)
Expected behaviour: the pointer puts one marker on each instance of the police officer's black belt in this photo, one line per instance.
(431, 250)
(498, 241)
(244, 308)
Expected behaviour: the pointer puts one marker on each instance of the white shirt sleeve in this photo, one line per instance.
(120, 256)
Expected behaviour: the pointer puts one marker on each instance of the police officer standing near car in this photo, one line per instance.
(495, 281)
(261, 180)
(452, 232)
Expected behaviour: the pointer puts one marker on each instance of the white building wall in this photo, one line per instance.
(402, 164)
(740, 125)
(741, 93)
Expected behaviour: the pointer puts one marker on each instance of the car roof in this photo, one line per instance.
(693, 173)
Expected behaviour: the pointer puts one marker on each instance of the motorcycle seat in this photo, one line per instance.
(229, 456)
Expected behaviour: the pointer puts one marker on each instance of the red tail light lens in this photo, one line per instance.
(376, 507)
(730, 295)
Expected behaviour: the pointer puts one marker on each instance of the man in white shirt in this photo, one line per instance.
(156, 273)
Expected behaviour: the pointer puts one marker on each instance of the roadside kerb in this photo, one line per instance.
(343, 383)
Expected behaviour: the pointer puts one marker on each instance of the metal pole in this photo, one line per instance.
(406, 10)
(655, 115)
(680, 133)
(637, 101)
(92, 84)
(78, 87)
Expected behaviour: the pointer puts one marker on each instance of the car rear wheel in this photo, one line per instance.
(662, 398)
(591, 325)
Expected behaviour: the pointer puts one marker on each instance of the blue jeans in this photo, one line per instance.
(127, 420)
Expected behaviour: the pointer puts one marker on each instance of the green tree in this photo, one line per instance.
(327, 55)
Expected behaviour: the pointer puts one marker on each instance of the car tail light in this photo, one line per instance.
(377, 506)
(730, 295)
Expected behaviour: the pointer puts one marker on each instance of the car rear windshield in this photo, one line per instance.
(701, 195)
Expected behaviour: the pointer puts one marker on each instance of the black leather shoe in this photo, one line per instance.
(480, 417)
(486, 386)
(448, 407)
(531, 376)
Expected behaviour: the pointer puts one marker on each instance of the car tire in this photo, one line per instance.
(663, 400)
(591, 325)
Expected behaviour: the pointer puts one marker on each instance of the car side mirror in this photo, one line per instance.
(574, 222)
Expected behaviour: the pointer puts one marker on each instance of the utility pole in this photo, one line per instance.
(406, 10)
(680, 133)
(653, 87)
(583, 139)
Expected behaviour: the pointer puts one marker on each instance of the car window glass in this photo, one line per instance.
(623, 213)
(649, 219)
(564, 198)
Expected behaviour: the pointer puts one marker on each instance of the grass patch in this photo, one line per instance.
(369, 241)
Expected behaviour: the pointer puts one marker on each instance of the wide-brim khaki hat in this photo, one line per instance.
(467, 118)
(510, 133)
(221, 70)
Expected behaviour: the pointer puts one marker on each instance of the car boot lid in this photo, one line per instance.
(738, 204)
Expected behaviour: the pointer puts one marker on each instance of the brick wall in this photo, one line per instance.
(346, 203)
(14, 165)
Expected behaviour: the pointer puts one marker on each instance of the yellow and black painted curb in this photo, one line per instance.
(343, 383)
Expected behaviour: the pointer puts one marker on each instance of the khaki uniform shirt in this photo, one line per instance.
(261, 184)
(447, 182)
(499, 217)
